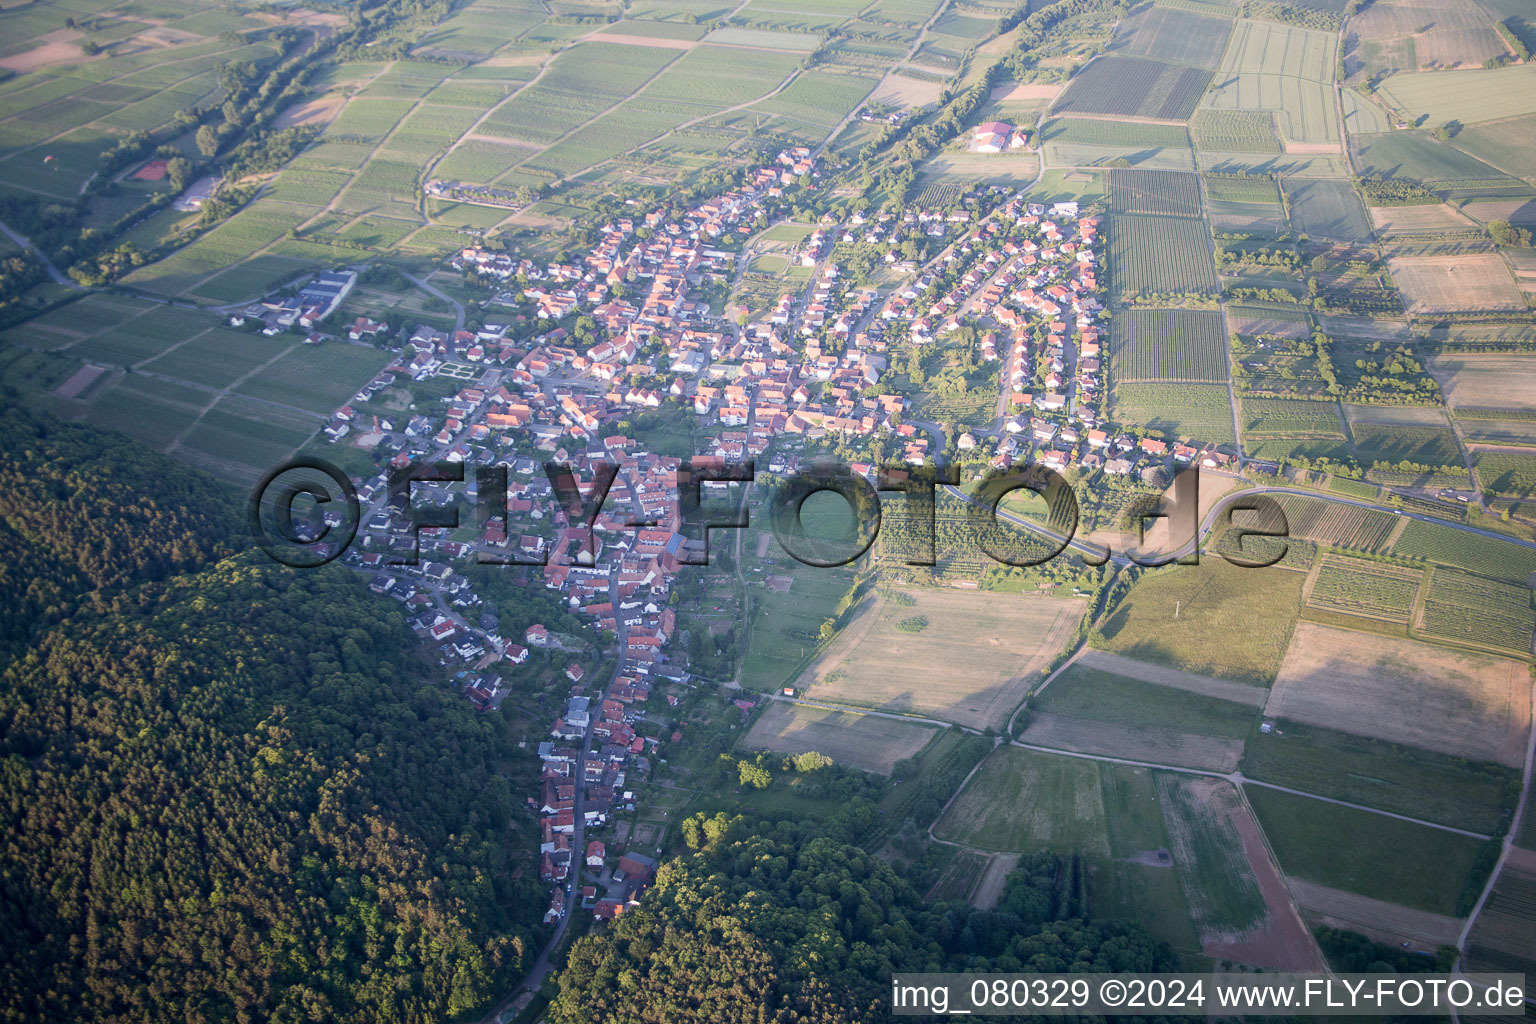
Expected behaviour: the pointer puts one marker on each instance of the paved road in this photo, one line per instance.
(458, 308)
(42, 258)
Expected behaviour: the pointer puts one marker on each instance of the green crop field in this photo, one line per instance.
(1185, 616)
(1089, 693)
(1509, 145)
(1386, 859)
(1394, 442)
(1472, 795)
(1508, 474)
(1155, 255)
(1284, 69)
(721, 77)
(1134, 86)
(1127, 134)
(1164, 193)
(1467, 96)
(219, 357)
(1257, 189)
(1354, 586)
(1336, 525)
(1199, 412)
(1416, 156)
(1223, 895)
(819, 98)
(1022, 801)
(1170, 34)
(1235, 131)
(1445, 545)
(1287, 417)
(316, 377)
(1168, 345)
(1486, 613)
(1326, 209)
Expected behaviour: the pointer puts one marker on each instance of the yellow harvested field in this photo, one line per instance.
(57, 47)
(1029, 92)
(1136, 743)
(1382, 921)
(1477, 281)
(1407, 220)
(1479, 381)
(1412, 415)
(971, 663)
(869, 742)
(899, 91)
(1454, 702)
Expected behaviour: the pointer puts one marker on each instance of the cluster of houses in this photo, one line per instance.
(811, 365)
(997, 137)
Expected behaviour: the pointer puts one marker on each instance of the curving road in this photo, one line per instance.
(42, 257)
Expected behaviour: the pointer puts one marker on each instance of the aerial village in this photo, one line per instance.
(771, 389)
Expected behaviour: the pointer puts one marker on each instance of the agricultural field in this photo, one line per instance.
(1168, 345)
(1290, 418)
(1507, 474)
(785, 624)
(1235, 131)
(1004, 642)
(1363, 116)
(1339, 526)
(1021, 801)
(1184, 617)
(1198, 412)
(1472, 381)
(1508, 144)
(1326, 209)
(1505, 932)
(1130, 135)
(1208, 852)
(1465, 282)
(315, 377)
(867, 742)
(1134, 87)
(1403, 691)
(1100, 712)
(1385, 859)
(1174, 35)
(1355, 586)
(1285, 70)
(1474, 795)
(1417, 156)
(1436, 36)
(1444, 545)
(1159, 255)
(1164, 193)
(1467, 96)
(1467, 609)
(1429, 219)
(1378, 435)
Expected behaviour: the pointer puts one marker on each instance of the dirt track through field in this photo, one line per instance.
(989, 890)
(1282, 942)
(1208, 686)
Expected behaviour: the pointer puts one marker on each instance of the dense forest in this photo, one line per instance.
(227, 794)
(774, 921)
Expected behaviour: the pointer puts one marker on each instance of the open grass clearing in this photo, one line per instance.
(1021, 801)
(1210, 619)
